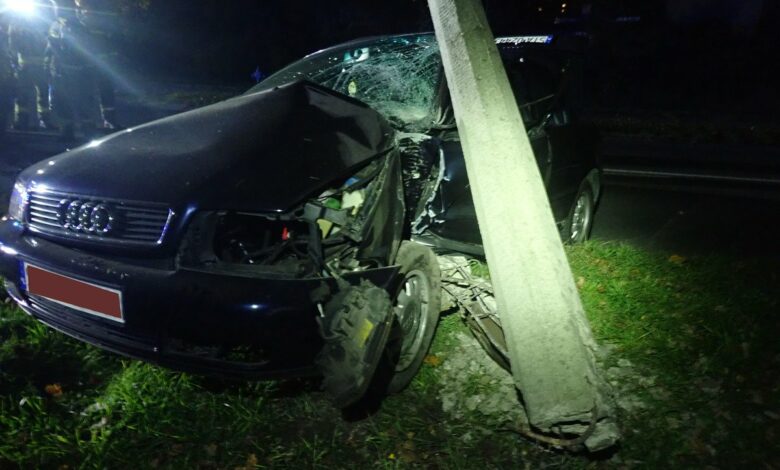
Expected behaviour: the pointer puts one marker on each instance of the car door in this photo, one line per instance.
(456, 218)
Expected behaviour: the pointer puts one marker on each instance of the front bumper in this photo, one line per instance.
(216, 323)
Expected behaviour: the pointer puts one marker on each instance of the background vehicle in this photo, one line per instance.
(282, 232)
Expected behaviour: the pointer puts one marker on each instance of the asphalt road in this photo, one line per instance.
(674, 221)
(686, 223)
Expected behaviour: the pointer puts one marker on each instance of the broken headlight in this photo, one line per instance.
(258, 240)
(350, 226)
(255, 244)
(19, 200)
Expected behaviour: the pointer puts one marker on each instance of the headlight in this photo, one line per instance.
(18, 205)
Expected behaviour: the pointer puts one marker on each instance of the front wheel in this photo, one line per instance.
(576, 227)
(416, 306)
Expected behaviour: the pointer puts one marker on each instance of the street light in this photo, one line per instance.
(21, 7)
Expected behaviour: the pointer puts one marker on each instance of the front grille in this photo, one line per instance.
(100, 220)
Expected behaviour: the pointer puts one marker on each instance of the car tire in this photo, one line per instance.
(417, 305)
(577, 225)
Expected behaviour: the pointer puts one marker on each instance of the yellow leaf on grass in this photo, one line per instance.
(432, 360)
(55, 390)
(677, 259)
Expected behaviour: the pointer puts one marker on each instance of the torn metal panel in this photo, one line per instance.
(593, 430)
(474, 296)
(352, 226)
(423, 167)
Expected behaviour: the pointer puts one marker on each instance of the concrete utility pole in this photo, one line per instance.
(550, 342)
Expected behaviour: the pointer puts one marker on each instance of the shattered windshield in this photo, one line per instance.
(398, 76)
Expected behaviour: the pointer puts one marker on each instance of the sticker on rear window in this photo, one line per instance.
(525, 40)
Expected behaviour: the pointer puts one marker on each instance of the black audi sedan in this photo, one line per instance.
(287, 231)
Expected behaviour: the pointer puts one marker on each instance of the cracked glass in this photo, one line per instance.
(398, 77)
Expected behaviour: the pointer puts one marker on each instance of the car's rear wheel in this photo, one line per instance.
(416, 305)
(577, 226)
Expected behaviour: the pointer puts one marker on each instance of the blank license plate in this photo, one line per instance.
(80, 295)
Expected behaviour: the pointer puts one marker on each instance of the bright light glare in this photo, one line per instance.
(8, 250)
(39, 187)
(24, 7)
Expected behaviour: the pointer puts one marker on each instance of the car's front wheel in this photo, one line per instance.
(577, 226)
(416, 306)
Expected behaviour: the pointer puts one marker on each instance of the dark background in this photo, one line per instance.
(714, 58)
(223, 41)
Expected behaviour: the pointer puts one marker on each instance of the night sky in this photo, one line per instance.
(223, 41)
(681, 55)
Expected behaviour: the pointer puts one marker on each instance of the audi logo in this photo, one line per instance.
(78, 215)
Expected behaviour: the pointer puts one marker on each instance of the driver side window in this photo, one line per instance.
(534, 88)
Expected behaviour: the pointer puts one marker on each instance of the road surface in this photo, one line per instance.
(688, 223)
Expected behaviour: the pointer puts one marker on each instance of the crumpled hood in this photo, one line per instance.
(265, 151)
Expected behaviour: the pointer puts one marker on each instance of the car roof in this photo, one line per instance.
(554, 41)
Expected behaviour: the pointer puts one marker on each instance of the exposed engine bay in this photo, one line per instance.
(351, 226)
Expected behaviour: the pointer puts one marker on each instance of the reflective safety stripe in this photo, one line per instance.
(72, 68)
(30, 60)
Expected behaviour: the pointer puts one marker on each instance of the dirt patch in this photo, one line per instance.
(472, 383)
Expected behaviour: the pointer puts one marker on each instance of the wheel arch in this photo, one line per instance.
(594, 179)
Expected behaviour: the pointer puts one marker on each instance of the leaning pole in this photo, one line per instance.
(551, 347)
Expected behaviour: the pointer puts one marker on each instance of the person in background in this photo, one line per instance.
(6, 79)
(102, 32)
(73, 67)
(27, 38)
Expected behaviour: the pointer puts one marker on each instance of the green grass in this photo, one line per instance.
(702, 334)
(694, 342)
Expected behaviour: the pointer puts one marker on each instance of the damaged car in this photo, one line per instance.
(292, 230)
